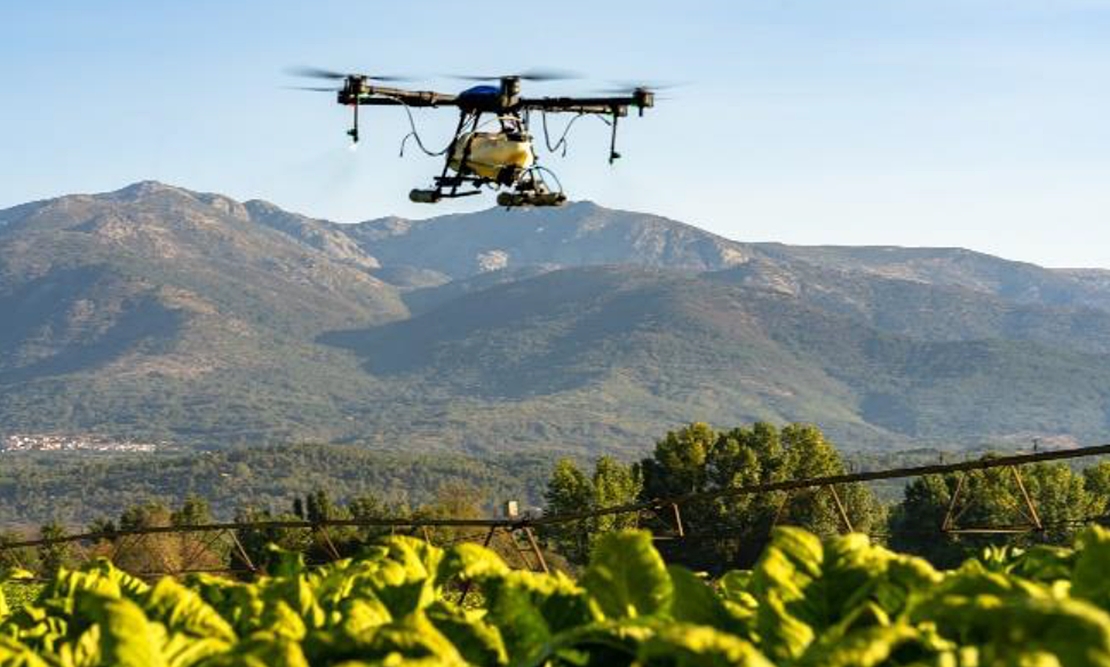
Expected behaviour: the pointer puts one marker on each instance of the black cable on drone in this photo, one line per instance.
(413, 134)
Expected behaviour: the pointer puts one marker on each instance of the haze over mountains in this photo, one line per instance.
(159, 313)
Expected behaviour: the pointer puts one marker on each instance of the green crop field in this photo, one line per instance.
(844, 602)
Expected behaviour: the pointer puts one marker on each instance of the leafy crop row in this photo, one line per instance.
(844, 602)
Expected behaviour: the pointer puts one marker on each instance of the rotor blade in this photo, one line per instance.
(315, 72)
(534, 74)
(318, 73)
(620, 87)
(472, 77)
(318, 89)
(548, 75)
(388, 77)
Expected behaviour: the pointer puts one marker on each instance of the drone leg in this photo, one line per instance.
(466, 151)
(353, 132)
(451, 148)
(613, 154)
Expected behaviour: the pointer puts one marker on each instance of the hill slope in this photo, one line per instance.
(157, 312)
(628, 349)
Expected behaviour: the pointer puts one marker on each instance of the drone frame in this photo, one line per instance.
(530, 188)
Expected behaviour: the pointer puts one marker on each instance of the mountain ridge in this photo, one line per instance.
(160, 312)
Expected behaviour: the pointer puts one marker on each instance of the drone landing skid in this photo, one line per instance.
(506, 199)
(532, 193)
(512, 199)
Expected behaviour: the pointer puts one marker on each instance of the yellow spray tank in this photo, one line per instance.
(490, 154)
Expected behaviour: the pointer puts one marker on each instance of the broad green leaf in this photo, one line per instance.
(528, 608)
(182, 610)
(469, 561)
(788, 567)
(183, 650)
(361, 614)
(127, 638)
(412, 637)
(600, 643)
(15, 654)
(1044, 563)
(869, 647)
(296, 593)
(696, 603)
(1091, 578)
(84, 652)
(681, 645)
(1074, 631)
(282, 563)
(260, 651)
(283, 621)
(626, 577)
(476, 640)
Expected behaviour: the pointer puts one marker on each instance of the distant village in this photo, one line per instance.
(55, 442)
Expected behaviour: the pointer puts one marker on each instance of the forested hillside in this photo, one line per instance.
(165, 315)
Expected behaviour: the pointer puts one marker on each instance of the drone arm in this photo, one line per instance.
(382, 96)
(568, 105)
(614, 106)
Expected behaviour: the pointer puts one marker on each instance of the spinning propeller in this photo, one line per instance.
(527, 75)
(319, 73)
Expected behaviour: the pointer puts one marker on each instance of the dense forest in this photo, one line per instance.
(75, 490)
(47, 496)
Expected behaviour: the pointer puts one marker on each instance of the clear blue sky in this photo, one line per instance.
(975, 123)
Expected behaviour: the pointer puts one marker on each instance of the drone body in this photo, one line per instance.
(503, 157)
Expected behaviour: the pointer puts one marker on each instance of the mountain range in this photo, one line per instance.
(154, 312)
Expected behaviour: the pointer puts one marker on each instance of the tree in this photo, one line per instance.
(256, 540)
(54, 556)
(991, 498)
(677, 465)
(570, 490)
(809, 455)
(1096, 481)
(733, 529)
(615, 484)
(193, 512)
(368, 506)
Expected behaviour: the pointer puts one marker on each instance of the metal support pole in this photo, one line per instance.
(467, 584)
(157, 551)
(949, 518)
(117, 546)
(199, 548)
(332, 551)
(242, 552)
(841, 510)
(536, 549)
(1033, 516)
(510, 534)
(782, 508)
